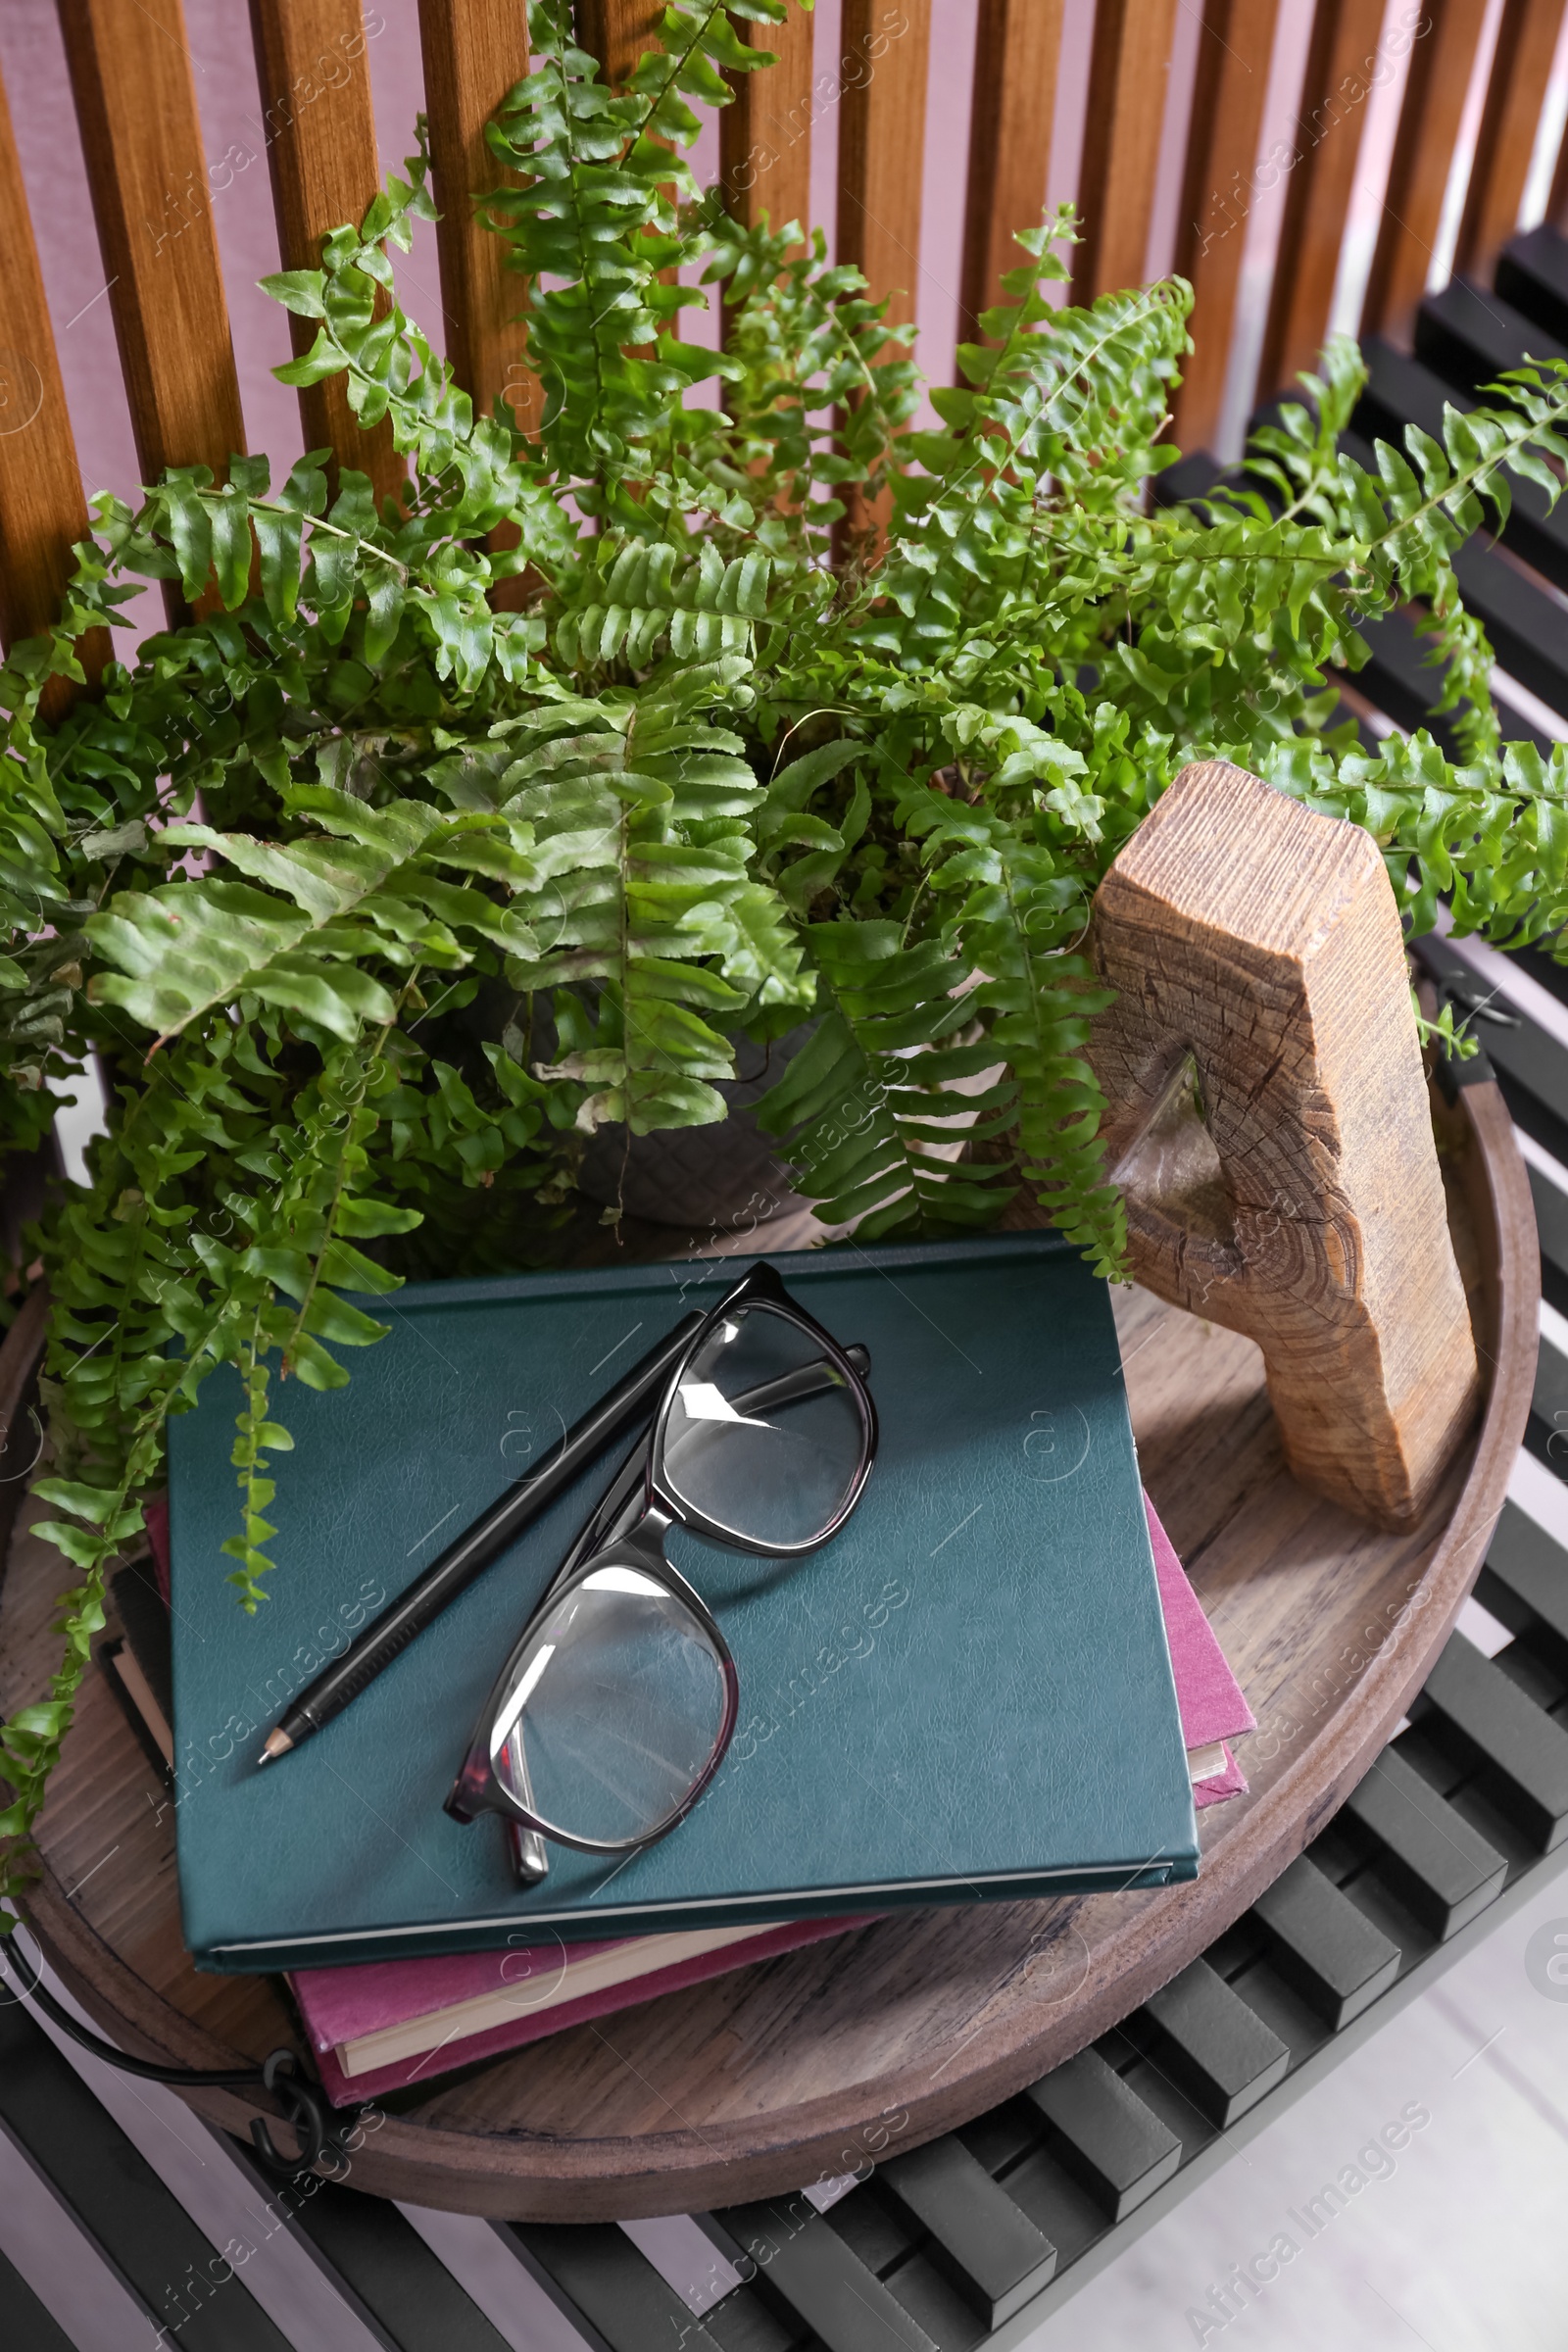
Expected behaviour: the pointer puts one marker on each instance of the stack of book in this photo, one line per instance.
(995, 1683)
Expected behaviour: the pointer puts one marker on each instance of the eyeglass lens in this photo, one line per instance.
(621, 1697)
(763, 1437)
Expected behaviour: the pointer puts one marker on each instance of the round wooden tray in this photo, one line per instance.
(807, 2066)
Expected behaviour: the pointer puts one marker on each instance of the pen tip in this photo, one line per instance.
(265, 1757)
(278, 1744)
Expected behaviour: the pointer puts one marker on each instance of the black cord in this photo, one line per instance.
(321, 2132)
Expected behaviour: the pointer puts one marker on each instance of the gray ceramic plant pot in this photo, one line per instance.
(702, 1176)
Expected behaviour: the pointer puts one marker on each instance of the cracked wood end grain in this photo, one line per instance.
(1271, 1129)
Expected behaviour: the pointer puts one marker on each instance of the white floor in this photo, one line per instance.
(1460, 2245)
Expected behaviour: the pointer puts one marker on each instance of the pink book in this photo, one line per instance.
(397, 2022)
(1212, 1708)
(380, 2026)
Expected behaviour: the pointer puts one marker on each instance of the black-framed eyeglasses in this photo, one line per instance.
(616, 1705)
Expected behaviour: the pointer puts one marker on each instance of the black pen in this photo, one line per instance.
(381, 1641)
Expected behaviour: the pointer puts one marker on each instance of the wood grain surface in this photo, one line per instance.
(130, 73)
(765, 136)
(1440, 62)
(1017, 51)
(42, 507)
(618, 32)
(1269, 1126)
(474, 51)
(882, 149)
(1128, 72)
(1521, 75)
(315, 75)
(1326, 144)
(756, 2081)
(1234, 51)
(882, 75)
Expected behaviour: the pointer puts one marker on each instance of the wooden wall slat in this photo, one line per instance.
(1327, 146)
(1521, 64)
(882, 148)
(1440, 62)
(881, 174)
(474, 51)
(1558, 202)
(1017, 50)
(314, 81)
(130, 75)
(765, 137)
(1128, 73)
(618, 32)
(1235, 49)
(42, 508)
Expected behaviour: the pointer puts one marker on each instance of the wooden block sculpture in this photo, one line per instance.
(1269, 1125)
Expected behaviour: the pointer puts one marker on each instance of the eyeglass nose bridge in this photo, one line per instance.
(644, 1541)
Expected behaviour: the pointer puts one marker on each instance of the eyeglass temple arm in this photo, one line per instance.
(810, 1381)
(619, 1510)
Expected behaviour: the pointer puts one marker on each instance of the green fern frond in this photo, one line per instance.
(598, 218)
(870, 1113)
(643, 902)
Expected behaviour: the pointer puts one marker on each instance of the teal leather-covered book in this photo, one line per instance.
(967, 1694)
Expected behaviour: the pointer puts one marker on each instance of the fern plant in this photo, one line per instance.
(429, 838)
